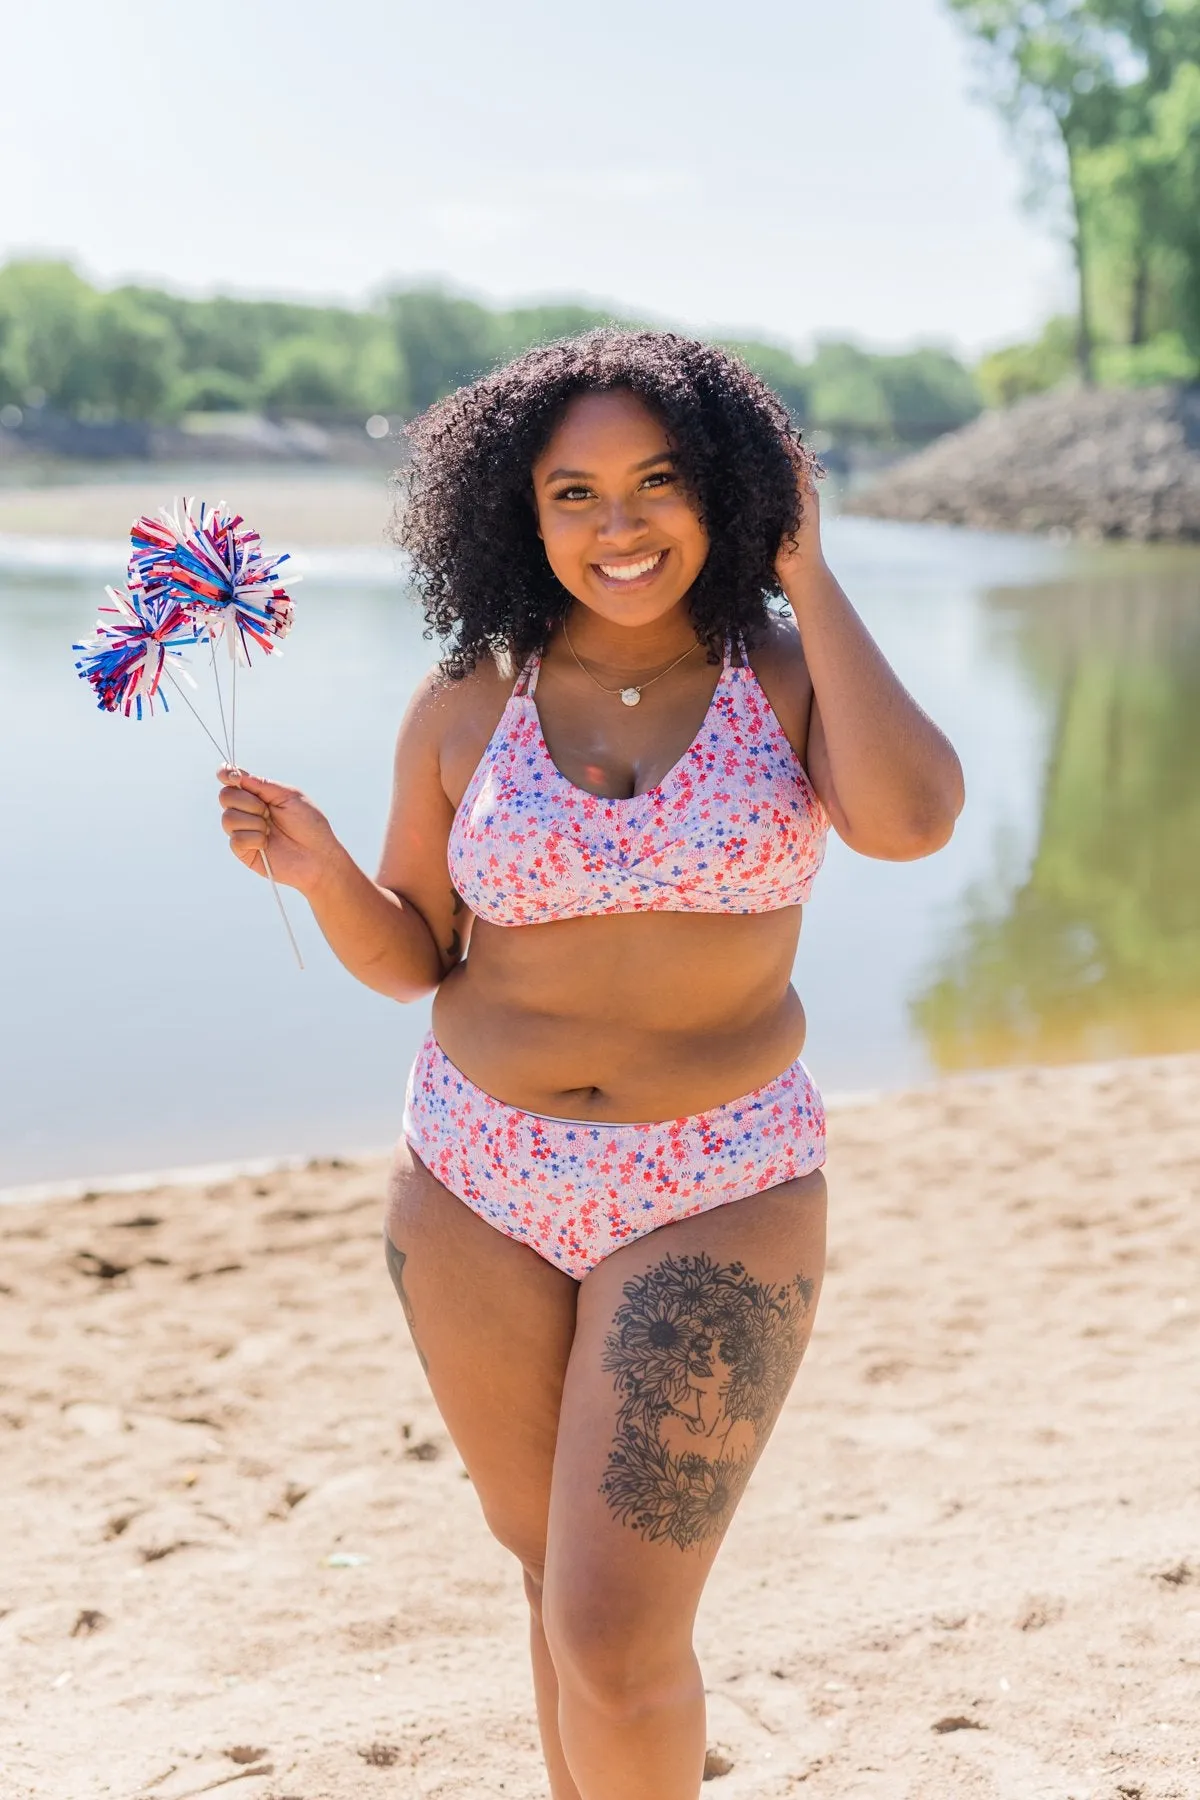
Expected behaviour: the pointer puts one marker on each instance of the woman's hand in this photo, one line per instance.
(259, 815)
(885, 774)
(798, 555)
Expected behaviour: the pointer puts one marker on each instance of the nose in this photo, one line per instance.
(620, 524)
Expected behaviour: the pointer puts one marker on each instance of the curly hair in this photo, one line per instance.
(467, 517)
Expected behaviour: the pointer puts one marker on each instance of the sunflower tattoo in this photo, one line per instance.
(702, 1358)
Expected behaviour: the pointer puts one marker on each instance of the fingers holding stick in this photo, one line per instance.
(245, 818)
(247, 823)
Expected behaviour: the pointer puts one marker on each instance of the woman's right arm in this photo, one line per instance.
(401, 933)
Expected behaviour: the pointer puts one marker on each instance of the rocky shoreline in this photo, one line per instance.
(1097, 463)
(45, 439)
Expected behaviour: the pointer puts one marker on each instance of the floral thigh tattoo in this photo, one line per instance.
(703, 1357)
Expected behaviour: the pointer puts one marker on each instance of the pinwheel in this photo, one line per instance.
(137, 644)
(194, 578)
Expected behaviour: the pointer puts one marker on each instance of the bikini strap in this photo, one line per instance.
(528, 678)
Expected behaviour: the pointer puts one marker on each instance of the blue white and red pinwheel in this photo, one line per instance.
(194, 578)
(138, 642)
(213, 563)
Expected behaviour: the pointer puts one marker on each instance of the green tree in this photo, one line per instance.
(905, 398)
(1055, 70)
(1104, 96)
(343, 367)
(442, 342)
(927, 391)
(845, 393)
(525, 326)
(135, 354)
(1019, 370)
(781, 371)
(47, 347)
(145, 353)
(210, 390)
(304, 374)
(1141, 214)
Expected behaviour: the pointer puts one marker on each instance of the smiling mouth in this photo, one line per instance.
(628, 573)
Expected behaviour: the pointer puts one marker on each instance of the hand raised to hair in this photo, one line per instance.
(797, 555)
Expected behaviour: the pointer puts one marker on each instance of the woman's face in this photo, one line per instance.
(621, 532)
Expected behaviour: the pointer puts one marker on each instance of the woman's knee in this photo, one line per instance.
(614, 1652)
(534, 1575)
(523, 1541)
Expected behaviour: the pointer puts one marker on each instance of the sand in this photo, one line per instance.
(301, 508)
(238, 1546)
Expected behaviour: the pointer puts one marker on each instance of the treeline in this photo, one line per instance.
(140, 353)
(1104, 99)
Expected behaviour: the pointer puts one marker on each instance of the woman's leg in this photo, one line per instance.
(493, 1324)
(685, 1346)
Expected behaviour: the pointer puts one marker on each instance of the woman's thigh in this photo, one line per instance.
(686, 1344)
(493, 1325)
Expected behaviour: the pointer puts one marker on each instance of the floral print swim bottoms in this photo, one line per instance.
(575, 1190)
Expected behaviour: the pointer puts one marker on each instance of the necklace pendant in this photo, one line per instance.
(631, 696)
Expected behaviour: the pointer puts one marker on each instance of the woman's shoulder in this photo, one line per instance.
(453, 717)
(453, 698)
(781, 668)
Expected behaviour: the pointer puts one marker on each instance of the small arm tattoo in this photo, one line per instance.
(453, 950)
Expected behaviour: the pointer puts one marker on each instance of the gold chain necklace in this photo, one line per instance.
(630, 696)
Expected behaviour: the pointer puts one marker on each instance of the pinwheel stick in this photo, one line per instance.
(192, 577)
(230, 755)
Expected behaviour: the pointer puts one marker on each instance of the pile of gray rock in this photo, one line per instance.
(1098, 463)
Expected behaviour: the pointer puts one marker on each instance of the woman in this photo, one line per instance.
(607, 1214)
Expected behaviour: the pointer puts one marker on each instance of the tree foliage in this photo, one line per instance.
(1104, 99)
(138, 352)
(1009, 375)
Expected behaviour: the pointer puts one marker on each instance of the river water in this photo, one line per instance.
(152, 1015)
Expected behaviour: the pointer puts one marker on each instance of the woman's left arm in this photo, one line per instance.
(888, 778)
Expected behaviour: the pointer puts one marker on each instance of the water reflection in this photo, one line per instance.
(138, 966)
(1095, 951)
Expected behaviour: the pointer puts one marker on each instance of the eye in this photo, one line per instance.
(574, 492)
(660, 477)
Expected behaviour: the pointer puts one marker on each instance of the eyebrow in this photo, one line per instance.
(585, 474)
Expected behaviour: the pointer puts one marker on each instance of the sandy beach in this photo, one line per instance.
(239, 1547)
(299, 507)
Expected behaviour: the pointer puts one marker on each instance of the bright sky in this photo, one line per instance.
(780, 166)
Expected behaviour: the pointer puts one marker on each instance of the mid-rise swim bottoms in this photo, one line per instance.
(575, 1190)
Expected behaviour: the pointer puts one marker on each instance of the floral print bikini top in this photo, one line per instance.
(734, 827)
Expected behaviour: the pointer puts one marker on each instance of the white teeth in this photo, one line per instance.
(631, 571)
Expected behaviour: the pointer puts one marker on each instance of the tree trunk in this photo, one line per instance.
(1141, 295)
(1084, 341)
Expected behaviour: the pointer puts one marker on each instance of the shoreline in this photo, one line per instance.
(967, 1567)
(62, 1189)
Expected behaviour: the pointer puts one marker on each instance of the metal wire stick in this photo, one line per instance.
(212, 645)
(200, 722)
(287, 924)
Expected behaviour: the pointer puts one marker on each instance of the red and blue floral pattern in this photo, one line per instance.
(574, 1190)
(734, 827)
